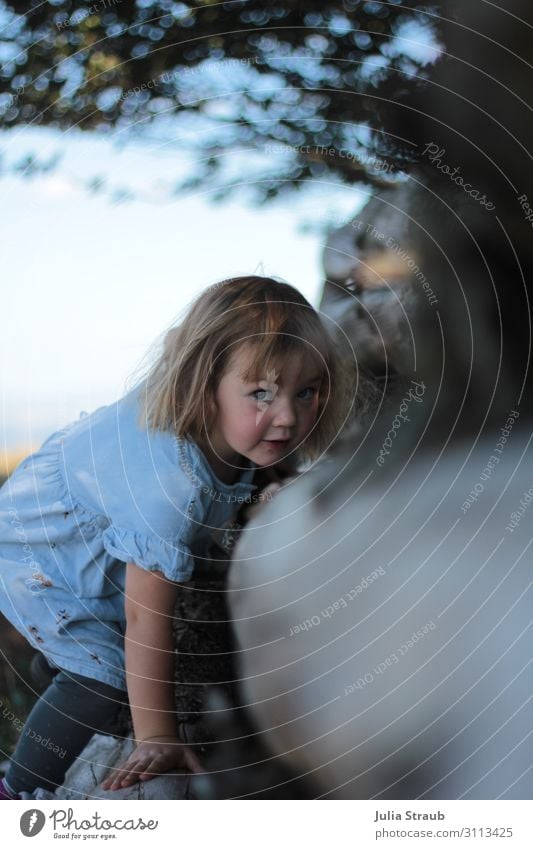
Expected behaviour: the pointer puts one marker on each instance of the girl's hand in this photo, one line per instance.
(152, 757)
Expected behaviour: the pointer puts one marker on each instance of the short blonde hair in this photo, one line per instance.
(274, 320)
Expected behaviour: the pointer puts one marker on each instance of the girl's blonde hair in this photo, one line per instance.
(276, 321)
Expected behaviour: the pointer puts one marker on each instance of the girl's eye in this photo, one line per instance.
(312, 389)
(267, 393)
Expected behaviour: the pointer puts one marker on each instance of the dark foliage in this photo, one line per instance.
(218, 76)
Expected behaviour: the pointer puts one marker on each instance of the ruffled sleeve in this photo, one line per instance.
(174, 560)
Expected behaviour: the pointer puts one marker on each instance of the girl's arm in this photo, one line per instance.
(149, 648)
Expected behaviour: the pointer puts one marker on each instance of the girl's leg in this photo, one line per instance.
(60, 724)
(41, 672)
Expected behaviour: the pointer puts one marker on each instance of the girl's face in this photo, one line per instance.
(267, 420)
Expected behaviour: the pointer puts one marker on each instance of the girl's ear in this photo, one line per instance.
(211, 409)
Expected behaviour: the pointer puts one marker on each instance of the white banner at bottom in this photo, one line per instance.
(262, 824)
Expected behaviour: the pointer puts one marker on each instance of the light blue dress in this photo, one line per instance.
(99, 493)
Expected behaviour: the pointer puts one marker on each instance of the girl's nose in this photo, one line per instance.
(284, 415)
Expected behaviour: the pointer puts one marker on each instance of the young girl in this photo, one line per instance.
(101, 524)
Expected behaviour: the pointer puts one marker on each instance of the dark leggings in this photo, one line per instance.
(60, 724)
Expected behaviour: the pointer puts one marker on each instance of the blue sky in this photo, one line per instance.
(89, 284)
